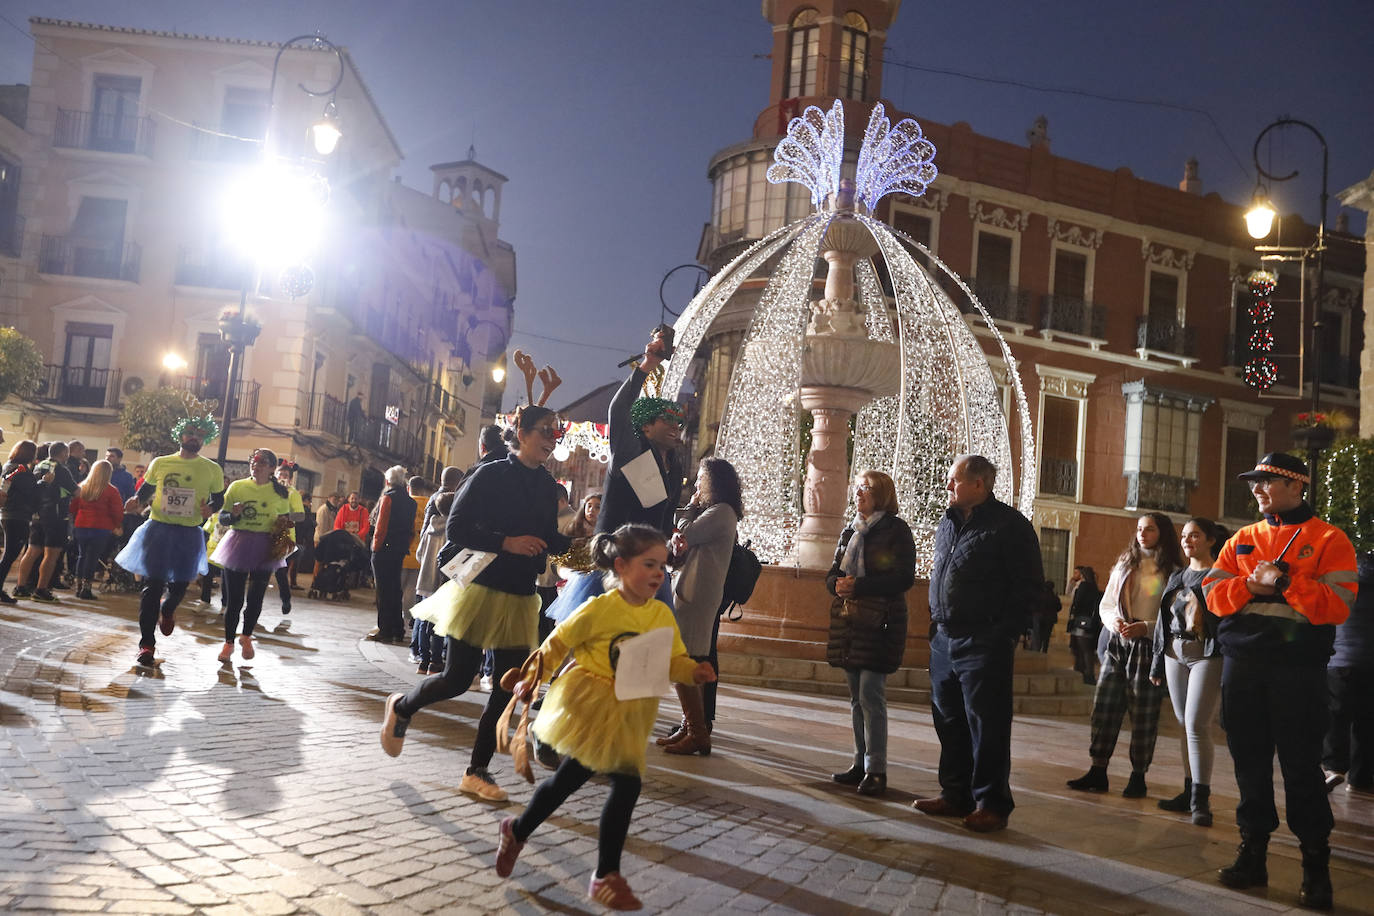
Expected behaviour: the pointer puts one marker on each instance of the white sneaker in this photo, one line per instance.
(485, 683)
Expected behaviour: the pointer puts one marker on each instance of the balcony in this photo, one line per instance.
(79, 386)
(402, 442)
(1009, 306)
(211, 271)
(245, 404)
(1073, 319)
(326, 413)
(1059, 477)
(212, 145)
(103, 133)
(1147, 490)
(73, 257)
(12, 235)
(1165, 338)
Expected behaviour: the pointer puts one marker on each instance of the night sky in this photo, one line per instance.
(604, 113)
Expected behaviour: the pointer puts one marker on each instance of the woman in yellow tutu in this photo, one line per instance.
(508, 508)
(581, 717)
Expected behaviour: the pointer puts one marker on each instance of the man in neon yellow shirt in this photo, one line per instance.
(168, 550)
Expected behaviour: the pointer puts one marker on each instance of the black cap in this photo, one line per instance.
(1278, 464)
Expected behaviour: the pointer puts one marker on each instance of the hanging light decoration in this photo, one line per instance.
(1260, 371)
(949, 403)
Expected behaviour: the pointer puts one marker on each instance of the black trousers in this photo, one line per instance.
(1349, 746)
(386, 571)
(615, 815)
(708, 691)
(236, 582)
(16, 539)
(461, 661)
(1268, 707)
(157, 598)
(971, 703)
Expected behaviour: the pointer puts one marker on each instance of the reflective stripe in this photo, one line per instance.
(1271, 609)
(1340, 575)
(1214, 575)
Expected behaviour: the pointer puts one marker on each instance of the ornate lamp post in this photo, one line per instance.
(1259, 222)
(238, 330)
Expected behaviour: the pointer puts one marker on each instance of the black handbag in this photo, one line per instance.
(740, 578)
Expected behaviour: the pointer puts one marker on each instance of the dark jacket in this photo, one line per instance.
(395, 522)
(988, 576)
(54, 496)
(868, 632)
(619, 505)
(1354, 647)
(123, 482)
(506, 499)
(1171, 622)
(1083, 616)
(22, 499)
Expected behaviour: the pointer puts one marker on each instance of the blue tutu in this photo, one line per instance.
(589, 585)
(171, 553)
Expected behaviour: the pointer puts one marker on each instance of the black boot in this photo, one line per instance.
(1248, 870)
(1095, 780)
(1180, 801)
(1135, 786)
(1316, 877)
(873, 784)
(1201, 807)
(850, 777)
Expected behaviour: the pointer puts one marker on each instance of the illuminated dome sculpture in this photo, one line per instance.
(911, 368)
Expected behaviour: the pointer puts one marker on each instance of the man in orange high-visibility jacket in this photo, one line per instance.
(1280, 586)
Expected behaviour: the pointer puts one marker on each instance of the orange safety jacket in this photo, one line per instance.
(1299, 624)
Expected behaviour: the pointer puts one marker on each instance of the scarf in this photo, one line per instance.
(852, 564)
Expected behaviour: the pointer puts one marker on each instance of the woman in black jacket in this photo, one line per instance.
(21, 501)
(875, 565)
(1084, 623)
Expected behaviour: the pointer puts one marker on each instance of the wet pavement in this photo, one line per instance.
(259, 787)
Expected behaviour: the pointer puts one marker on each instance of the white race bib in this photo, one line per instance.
(179, 502)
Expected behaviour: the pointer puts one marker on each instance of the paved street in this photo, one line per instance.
(259, 787)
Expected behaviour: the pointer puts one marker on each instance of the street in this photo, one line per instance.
(259, 787)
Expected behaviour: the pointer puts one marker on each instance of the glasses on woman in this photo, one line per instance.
(551, 431)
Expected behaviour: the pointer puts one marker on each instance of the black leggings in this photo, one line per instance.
(615, 816)
(16, 539)
(234, 582)
(152, 603)
(461, 661)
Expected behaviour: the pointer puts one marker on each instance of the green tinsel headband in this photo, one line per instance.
(646, 410)
(206, 427)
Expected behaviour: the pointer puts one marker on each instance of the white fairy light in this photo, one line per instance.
(948, 402)
(584, 435)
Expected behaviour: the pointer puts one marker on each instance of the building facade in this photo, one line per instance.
(1125, 302)
(119, 266)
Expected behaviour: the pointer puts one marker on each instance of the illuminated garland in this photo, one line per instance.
(1260, 372)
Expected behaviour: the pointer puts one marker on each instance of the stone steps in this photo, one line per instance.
(1040, 688)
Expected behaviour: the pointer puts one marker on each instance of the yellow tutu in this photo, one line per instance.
(582, 719)
(481, 616)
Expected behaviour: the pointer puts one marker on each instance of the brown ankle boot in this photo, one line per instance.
(696, 739)
(674, 736)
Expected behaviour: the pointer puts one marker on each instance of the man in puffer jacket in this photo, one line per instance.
(987, 578)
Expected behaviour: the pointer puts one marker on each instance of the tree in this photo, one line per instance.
(149, 415)
(1347, 491)
(21, 365)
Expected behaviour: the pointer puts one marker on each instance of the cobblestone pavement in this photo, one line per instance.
(259, 787)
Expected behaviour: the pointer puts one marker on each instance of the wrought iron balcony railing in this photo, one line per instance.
(1059, 476)
(326, 413)
(1069, 315)
(1007, 303)
(79, 386)
(72, 257)
(12, 235)
(1163, 335)
(245, 404)
(212, 271)
(102, 132)
(1147, 490)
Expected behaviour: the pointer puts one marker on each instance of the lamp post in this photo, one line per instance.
(325, 132)
(238, 331)
(1259, 222)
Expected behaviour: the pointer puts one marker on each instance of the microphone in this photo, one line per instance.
(665, 334)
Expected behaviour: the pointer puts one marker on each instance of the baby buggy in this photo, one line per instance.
(338, 555)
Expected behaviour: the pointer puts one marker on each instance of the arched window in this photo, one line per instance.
(803, 54)
(854, 57)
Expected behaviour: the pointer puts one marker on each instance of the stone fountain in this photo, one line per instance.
(842, 370)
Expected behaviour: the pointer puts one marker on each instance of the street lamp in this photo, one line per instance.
(238, 331)
(325, 132)
(1259, 223)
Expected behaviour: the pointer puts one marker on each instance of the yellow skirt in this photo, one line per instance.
(481, 616)
(581, 718)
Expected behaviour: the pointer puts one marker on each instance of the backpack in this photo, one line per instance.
(740, 577)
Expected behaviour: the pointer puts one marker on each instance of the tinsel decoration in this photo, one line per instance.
(1260, 372)
(1262, 284)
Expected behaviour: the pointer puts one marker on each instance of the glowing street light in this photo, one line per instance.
(173, 362)
(325, 132)
(1259, 219)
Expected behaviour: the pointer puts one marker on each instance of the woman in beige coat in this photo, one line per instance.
(702, 547)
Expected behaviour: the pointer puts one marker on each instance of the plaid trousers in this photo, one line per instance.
(1124, 684)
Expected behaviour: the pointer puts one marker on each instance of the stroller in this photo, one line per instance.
(339, 554)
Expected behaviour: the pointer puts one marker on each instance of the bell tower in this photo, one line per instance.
(825, 50)
(471, 187)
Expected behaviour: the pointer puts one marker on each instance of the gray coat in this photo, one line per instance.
(700, 579)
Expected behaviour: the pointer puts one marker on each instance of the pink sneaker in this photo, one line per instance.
(507, 849)
(613, 892)
(246, 647)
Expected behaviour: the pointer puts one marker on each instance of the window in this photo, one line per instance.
(244, 116)
(1059, 446)
(1242, 451)
(1163, 433)
(114, 115)
(11, 233)
(1054, 557)
(803, 54)
(212, 367)
(86, 364)
(993, 265)
(1070, 274)
(1163, 303)
(854, 57)
(96, 238)
(916, 225)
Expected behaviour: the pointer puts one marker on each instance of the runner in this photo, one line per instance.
(168, 550)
